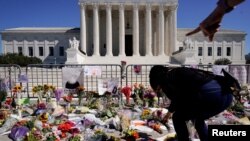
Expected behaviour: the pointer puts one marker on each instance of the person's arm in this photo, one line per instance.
(167, 117)
(233, 3)
(170, 112)
(211, 24)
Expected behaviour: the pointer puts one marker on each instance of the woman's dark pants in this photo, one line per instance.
(210, 103)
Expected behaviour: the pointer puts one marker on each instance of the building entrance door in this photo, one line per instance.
(128, 45)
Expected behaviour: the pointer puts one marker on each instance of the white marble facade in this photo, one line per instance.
(124, 30)
(226, 44)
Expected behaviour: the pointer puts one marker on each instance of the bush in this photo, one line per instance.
(222, 61)
(14, 58)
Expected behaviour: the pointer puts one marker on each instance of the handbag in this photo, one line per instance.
(228, 82)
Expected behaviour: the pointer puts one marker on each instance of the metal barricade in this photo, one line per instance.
(11, 73)
(200, 66)
(139, 73)
(52, 74)
(240, 71)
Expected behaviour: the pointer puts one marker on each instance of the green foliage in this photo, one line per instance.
(222, 61)
(13, 58)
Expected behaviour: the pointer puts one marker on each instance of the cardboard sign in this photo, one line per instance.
(92, 71)
(23, 78)
(107, 85)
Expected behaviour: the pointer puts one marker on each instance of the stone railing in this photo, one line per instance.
(172, 2)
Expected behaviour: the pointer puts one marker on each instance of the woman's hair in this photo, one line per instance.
(157, 76)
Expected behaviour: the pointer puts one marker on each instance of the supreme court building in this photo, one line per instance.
(135, 31)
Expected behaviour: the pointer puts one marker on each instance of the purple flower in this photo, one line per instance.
(149, 94)
(18, 133)
(58, 94)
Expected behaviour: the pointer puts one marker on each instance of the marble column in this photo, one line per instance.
(148, 30)
(233, 50)
(135, 30)
(35, 48)
(25, 46)
(109, 30)
(121, 31)
(166, 28)
(243, 45)
(46, 48)
(161, 30)
(83, 29)
(173, 29)
(14, 49)
(96, 30)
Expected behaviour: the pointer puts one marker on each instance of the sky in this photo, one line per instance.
(66, 13)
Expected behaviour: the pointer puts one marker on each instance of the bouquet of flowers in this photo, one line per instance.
(155, 126)
(16, 89)
(127, 92)
(146, 114)
(138, 94)
(149, 97)
(43, 91)
(58, 95)
(34, 135)
(65, 127)
(80, 93)
(131, 135)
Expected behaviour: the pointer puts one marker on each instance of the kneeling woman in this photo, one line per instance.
(195, 95)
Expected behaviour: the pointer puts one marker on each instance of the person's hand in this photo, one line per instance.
(167, 117)
(211, 24)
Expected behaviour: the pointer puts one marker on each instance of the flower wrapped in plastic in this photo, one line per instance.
(43, 91)
(127, 92)
(138, 93)
(18, 133)
(58, 94)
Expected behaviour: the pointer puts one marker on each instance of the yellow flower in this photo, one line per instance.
(45, 88)
(80, 88)
(17, 88)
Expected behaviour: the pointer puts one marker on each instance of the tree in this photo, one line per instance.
(19, 59)
(222, 61)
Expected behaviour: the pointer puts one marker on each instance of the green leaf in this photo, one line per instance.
(24, 101)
